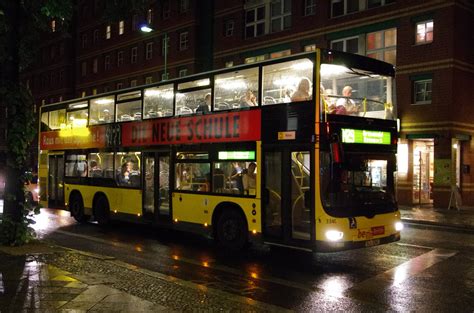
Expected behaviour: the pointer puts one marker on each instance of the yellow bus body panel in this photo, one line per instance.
(195, 208)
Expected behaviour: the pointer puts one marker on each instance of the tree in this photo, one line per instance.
(22, 23)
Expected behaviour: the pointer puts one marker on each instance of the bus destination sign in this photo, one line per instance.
(365, 136)
(223, 127)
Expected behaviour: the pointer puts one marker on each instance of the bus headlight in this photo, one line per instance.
(334, 235)
(398, 226)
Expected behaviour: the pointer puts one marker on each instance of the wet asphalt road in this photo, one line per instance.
(428, 270)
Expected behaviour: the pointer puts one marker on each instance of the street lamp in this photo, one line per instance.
(147, 29)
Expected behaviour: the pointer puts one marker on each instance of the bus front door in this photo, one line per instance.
(286, 196)
(156, 191)
(55, 181)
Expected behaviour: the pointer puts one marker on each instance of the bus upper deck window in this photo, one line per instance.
(102, 110)
(158, 101)
(236, 89)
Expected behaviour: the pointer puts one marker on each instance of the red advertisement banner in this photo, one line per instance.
(77, 138)
(223, 127)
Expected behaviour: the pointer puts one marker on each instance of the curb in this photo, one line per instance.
(458, 227)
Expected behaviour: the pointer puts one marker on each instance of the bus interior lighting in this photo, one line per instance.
(398, 226)
(334, 235)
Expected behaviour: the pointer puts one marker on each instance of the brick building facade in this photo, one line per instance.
(430, 43)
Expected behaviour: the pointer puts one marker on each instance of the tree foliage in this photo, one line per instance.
(22, 24)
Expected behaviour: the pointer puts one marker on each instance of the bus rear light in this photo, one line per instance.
(254, 232)
(334, 235)
(115, 211)
(398, 226)
(205, 224)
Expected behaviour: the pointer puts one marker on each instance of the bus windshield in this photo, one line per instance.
(362, 185)
(350, 91)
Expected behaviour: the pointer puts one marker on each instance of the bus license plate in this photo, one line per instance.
(372, 242)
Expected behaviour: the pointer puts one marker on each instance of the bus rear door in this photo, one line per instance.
(156, 191)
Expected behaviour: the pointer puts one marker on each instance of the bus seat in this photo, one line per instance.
(135, 180)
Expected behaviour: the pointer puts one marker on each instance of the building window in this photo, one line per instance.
(166, 9)
(281, 15)
(165, 76)
(134, 55)
(149, 17)
(95, 65)
(83, 69)
(350, 45)
(108, 32)
(422, 91)
(119, 85)
(133, 83)
(94, 91)
(148, 80)
(183, 72)
(382, 45)
(280, 54)
(309, 48)
(121, 27)
(309, 7)
(255, 22)
(84, 41)
(83, 94)
(119, 58)
(378, 3)
(134, 22)
(183, 41)
(165, 45)
(424, 32)
(149, 51)
(53, 26)
(229, 63)
(257, 58)
(95, 38)
(183, 6)
(343, 7)
(107, 62)
(229, 28)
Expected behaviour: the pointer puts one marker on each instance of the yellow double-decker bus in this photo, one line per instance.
(297, 152)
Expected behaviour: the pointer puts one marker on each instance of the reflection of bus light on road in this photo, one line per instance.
(334, 235)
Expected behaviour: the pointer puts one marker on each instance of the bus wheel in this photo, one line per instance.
(102, 211)
(76, 207)
(231, 231)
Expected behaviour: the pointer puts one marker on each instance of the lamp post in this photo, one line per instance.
(147, 29)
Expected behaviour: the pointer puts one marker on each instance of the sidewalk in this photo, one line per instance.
(460, 219)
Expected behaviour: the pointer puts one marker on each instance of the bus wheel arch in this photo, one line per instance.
(101, 209)
(76, 207)
(230, 226)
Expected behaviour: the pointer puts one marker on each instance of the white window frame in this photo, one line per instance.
(383, 49)
(280, 16)
(53, 26)
(148, 80)
(309, 7)
(108, 32)
(308, 48)
(149, 16)
(360, 39)
(229, 28)
(184, 6)
(256, 58)
(149, 51)
(229, 63)
(134, 55)
(119, 86)
(119, 58)
(133, 83)
(121, 27)
(425, 82)
(360, 3)
(165, 77)
(382, 3)
(425, 32)
(107, 62)
(183, 72)
(183, 41)
(256, 22)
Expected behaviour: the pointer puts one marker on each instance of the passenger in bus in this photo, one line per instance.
(249, 179)
(248, 100)
(236, 177)
(204, 106)
(346, 105)
(123, 179)
(302, 93)
(94, 169)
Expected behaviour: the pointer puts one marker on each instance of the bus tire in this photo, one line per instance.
(231, 231)
(76, 207)
(102, 211)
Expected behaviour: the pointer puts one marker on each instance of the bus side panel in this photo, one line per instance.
(128, 201)
(195, 208)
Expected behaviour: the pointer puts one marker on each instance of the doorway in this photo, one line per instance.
(56, 181)
(156, 192)
(423, 171)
